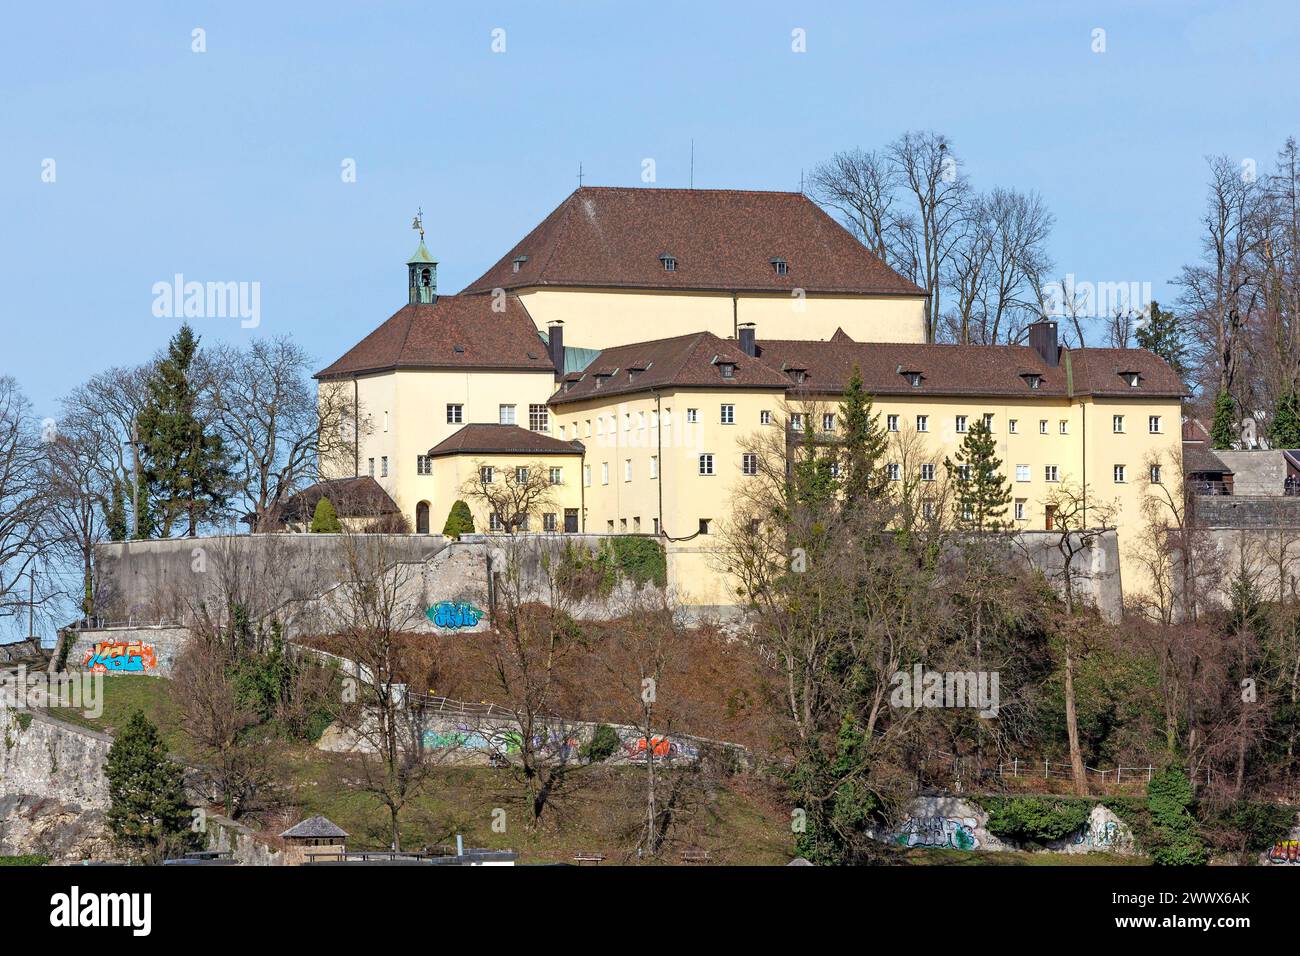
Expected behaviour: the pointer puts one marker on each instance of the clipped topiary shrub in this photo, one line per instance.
(460, 520)
(325, 520)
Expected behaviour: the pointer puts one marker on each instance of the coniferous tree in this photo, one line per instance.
(864, 445)
(148, 812)
(325, 519)
(460, 520)
(186, 470)
(115, 516)
(1223, 430)
(1161, 333)
(1285, 430)
(982, 492)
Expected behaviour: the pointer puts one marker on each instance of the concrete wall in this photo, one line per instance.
(1255, 472)
(148, 651)
(1239, 511)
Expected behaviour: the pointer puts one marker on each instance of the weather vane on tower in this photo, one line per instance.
(418, 221)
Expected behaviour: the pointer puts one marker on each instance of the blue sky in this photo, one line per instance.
(225, 165)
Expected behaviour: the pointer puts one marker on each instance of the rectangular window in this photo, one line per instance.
(1013, 425)
(506, 415)
(1022, 472)
(1065, 427)
(894, 471)
(1050, 473)
(586, 476)
(749, 463)
(692, 414)
(654, 466)
(891, 422)
(796, 421)
(1153, 424)
(927, 472)
(372, 467)
(1117, 424)
(704, 525)
(923, 423)
(961, 424)
(610, 525)
(706, 464)
(963, 472)
(494, 522)
(988, 421)
(765, 417)
(622, 524)
(656, 525)
(539, 418)
(423, 465)
(1042, 426)
(383, 467)
(1020, 509)
(828, 422)
(548, 521)
(1155, 474)
(627, 469)
(728, 416)
(1119, 474)
(556, 476)
(455, 414)
(521, 475)
(604, 472)
(636, 523)
(487, 474)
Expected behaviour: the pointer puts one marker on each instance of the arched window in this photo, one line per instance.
(425, 278)
(422, 518)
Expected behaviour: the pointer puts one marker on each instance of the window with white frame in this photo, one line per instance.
(455, 414)
(423, 465)
(706, 464)
(749, 463)
(556, 475)
(372, 467)
(1051, 473)
(494, 521)
(506, 415)
(383, 467)
(1153, 424)
(692, 414)
(963, 472)
(586, 476)
(521, 474)
(1065, 427)
(1119, 474)
(727, 415)
(927, 472)
(1022, 473)
(1020, 509)
(894, 471)
(1013, 425)
(828, 422)
(1042, 426)
(548, 521)
(765, 417)
(923, 423)
(891, 422)
(1117, 424)
(988, 421)
(654, 466)
(627, 469)
(1155, 475)
(604, 472)
(487, 474)
(961, 424)
(539, 418)
(796, 421)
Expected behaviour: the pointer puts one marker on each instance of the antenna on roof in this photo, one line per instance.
(692, 162)
(801, 182)
(579, 175)
(418, 221)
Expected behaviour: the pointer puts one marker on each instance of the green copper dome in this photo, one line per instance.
(421, 256)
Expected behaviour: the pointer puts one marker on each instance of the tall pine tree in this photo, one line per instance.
(1223, 430)
(186, 470)
(863, 445)
(982, 493)
(1163, 334)
(148, 812)
(1284, 432)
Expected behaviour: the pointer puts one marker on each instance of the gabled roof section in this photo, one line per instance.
(720, 239)
(456, 332)
(315, 828)
(490, 439)
(977, 370)
(697, 360)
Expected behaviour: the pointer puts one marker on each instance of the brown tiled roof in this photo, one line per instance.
(722, 239)
(993, 370)
(351, 497)
(1198, 459)
(490, 439)
(454, 332)
(685, 361)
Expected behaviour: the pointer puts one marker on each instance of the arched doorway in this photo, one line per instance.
(422, 518)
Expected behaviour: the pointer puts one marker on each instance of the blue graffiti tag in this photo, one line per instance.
(453, 615)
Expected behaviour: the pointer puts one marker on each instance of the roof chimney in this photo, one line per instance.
(1042, 338)
(747, 344)
(555, 346)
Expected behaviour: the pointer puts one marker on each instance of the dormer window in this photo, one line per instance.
(1133, 379)
(458, 349)
(797, 374)
(913, 377)
(1033, 381)
(727, 369)
(779, 266)
(517, 262)
(670, 262)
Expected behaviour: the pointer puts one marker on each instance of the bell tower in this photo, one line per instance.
(422, 270)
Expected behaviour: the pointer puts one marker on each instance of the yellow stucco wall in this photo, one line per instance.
(603, 318)
(451, 473)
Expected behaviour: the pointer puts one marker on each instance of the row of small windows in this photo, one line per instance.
(961, 424)
(539, 416)
(669, 262)
(487, 474)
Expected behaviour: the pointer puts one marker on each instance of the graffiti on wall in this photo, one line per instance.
(955, 832)
(504, 742)
(1285, 852)
(657, 748)
(453, 615)
(120, 657)
(1105, 835)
